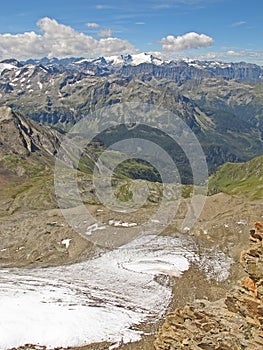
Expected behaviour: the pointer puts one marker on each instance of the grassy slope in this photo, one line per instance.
(239, 178)
(26, 183)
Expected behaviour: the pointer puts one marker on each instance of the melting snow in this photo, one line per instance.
(94, 227)
(97, 300)
(120, 223)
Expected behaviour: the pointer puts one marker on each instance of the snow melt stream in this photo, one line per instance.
(102, 299)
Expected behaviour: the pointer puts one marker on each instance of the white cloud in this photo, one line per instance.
(234, 53)
(105, 33)
(140, 23)
(244, 53)
(59, 40)
(187, 41)
(238, 24)
(92, 25)
(103, 7)
(167, 4)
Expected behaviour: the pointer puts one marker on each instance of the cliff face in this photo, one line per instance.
(182, 71)
(235, 322)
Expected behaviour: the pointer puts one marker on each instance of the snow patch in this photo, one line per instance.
(155, 221)
(120, 223)
(135, 59)
(94, 227)
(66, 242)
(88, 60)
(242, 222)
(8, 66)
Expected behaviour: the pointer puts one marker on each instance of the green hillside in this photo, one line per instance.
(239, 178)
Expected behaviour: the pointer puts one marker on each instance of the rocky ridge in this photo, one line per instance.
(235, 322)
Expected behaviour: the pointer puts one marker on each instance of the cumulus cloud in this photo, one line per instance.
(187, 41)
(92, 25)
(105, 33)
(59, 40)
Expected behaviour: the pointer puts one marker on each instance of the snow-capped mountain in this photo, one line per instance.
(134, 60)
(121, 60)
(7, 66)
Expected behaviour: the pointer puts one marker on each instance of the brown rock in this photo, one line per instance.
(231, 324)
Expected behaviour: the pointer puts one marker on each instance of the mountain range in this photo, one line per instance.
(221, 102)
(145, 63)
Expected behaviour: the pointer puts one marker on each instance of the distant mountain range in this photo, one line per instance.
(221, 102)
(144, 63)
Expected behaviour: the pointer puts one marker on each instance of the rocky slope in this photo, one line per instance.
(235, 322)
(31, 229)
(27, 152)
(21, 136)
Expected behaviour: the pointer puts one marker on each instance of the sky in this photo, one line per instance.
(225, 30)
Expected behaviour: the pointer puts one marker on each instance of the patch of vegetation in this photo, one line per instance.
(123, 193)
(137, 169)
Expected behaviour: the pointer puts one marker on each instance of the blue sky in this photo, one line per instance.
(219, 29)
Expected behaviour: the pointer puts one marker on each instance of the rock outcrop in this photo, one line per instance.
(21, 136)
(235, 322)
